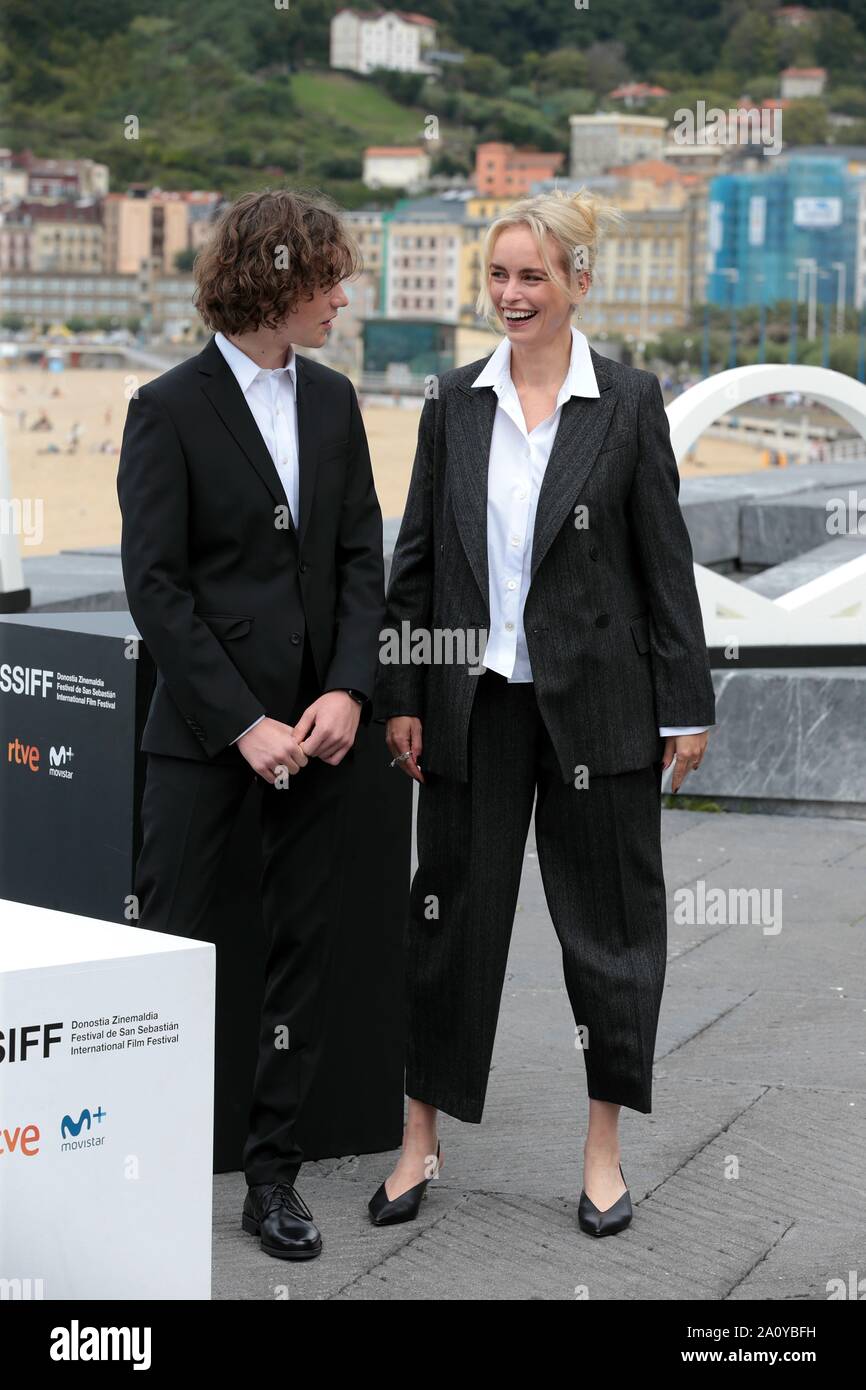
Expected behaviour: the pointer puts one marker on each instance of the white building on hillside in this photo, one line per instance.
(392, 39)
(396, 166)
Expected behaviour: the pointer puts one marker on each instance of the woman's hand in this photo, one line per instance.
(686, 750)
(403, 737)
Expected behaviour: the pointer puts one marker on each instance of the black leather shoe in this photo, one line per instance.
(604, 1223)
(276, 1212)
(384, 1212)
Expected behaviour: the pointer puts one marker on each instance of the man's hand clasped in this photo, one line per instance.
(326, 730)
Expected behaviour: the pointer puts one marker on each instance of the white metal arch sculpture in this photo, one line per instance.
(828, 610)
(702, 405)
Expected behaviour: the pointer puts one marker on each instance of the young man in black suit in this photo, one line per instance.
(252, 559)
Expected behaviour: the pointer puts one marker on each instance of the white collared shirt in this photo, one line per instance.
(516, 468)
(272, 398)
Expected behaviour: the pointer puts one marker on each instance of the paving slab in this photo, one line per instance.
(748, 1178)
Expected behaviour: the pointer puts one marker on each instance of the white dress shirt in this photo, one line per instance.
(272, 398)
(516, 467)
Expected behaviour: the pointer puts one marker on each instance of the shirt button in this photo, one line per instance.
(521, 492)
(512, 584)
(509, 627)
(515, 540)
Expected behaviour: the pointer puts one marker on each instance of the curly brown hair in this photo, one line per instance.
(267, 251)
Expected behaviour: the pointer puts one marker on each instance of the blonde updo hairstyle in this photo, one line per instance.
(573, 223)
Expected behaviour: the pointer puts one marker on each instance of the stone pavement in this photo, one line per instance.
(748, 1179)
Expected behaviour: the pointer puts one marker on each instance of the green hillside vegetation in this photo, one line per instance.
(236, 96)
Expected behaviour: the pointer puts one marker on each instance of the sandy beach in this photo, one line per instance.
(74, 478)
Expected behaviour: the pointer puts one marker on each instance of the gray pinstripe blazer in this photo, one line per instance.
(612, 619)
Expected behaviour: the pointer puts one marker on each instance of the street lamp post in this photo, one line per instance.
(705, 345)
(840, 269)
(811, 266)
(795, 305)
(733, 275)
(688, 344)
(825, 347)
(762, 318)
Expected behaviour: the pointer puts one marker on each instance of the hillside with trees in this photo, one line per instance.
(233, 96)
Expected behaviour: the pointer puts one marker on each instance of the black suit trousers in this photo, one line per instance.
(599, 852)
(188, 811)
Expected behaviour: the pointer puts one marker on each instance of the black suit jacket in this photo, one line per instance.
(612, 618)
(220, 585)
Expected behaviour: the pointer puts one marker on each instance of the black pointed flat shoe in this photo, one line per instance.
(385, 1212)
(604, 1223)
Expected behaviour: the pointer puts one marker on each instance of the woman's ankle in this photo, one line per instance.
(602, 1151)
(419, 1140)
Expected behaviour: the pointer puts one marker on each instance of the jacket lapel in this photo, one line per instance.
(308, 443)
(583, 424)
(225, 395)
(470, 432)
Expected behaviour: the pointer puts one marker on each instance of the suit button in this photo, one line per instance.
(593, 552)
(296, 637)
(602, 620)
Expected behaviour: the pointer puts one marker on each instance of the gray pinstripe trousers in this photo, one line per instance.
(599, 852)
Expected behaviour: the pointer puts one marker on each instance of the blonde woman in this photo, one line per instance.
(543, 530)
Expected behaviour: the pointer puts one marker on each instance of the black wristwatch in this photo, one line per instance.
(357, 696)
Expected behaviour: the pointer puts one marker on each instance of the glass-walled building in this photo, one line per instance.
(772, 233)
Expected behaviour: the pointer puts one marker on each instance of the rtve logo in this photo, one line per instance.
(23, 1139)
(24, 754)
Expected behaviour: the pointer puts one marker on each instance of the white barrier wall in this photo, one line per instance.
(106, 1109)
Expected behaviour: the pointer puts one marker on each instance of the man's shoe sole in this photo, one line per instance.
(254, 1229)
